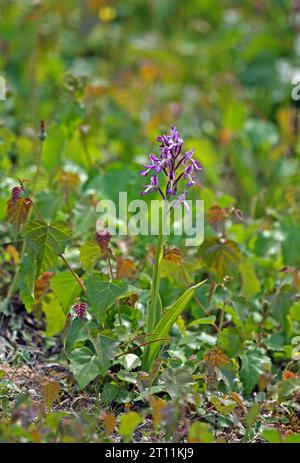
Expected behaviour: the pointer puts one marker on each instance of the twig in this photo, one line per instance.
(79, 281)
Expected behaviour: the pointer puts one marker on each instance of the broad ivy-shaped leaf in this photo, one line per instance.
(76, 332)
(47, 242)
(102, 293)
(26, 280)
(251, 285)
(231, 341)
(281, 302)
(84, 366)
(220, 255)
(128, 423)
(254, 364)
(291, 244)
(178, 382)
(106, 346)
(89, 253)
(66, 289)
(55, 318)
(287, 389)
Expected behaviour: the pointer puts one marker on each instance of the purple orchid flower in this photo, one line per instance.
(153, 186)
(175, 166)
(181, 199)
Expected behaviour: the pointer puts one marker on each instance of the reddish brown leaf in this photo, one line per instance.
(109, 422)
(287, 374)
(42, 285)
(125, 268)
(216, 357)
(225, 136)
(50, 391)
(17, 211)
(13, 253)
(131, 300)
(217, 217)
(234, 396)
(220, 255)
(157, 405)
(174, 255)
(68, 180)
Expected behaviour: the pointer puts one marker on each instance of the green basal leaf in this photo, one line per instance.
(231, 341)
(165, 324)
(254, 364)
(75, 334)
(287, 388)
(84, 366)
(129, 422)
(106, 346)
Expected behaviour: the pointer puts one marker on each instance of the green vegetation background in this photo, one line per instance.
(107, 77)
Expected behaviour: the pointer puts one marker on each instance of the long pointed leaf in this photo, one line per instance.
(166, 322)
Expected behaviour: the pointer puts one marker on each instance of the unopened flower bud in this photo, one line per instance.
(42, 133)
(16, 193)
(80, 309)
(103, 238)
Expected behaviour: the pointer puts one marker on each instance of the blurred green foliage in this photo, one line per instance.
(107, 77)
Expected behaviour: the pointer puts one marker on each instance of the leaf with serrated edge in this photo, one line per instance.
(102, 293)
(47, 241)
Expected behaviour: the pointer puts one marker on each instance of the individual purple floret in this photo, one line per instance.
(175, 166)
(153, 186)
(182, 199)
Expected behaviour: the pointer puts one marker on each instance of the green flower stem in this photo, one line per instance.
(153, 311)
